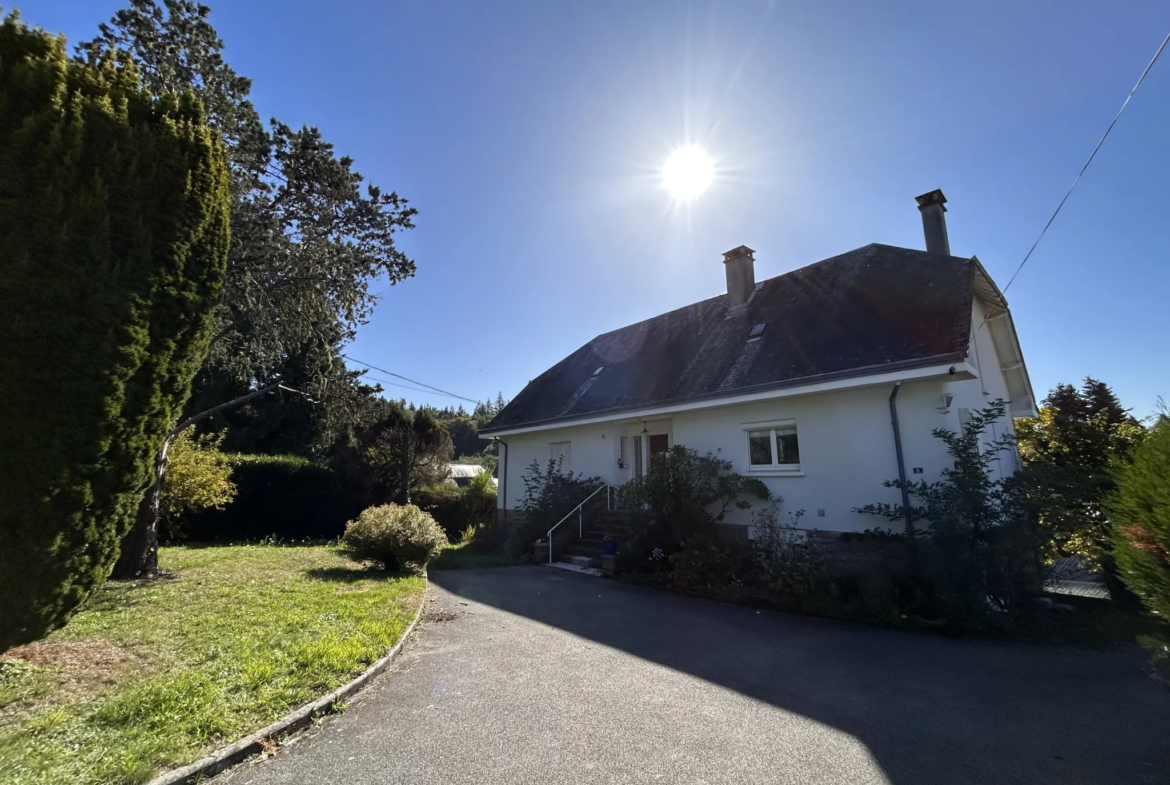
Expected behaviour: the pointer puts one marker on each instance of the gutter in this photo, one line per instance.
(739, 394)
(901, 464)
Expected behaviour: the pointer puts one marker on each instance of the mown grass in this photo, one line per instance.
(154, 675)
(480, 548)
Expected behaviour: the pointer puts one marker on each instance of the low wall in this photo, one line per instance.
(851, 552)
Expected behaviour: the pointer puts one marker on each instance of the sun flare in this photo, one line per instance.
(688, 172)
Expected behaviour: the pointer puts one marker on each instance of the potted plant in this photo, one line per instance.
(609, 545)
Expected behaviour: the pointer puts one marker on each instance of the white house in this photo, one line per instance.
(813, 381)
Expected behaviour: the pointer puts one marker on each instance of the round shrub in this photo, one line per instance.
(396, 536)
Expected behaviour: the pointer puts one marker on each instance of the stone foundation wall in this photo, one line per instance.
(515, 519)
(852, 553)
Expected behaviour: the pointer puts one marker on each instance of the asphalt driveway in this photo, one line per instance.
(535, 675)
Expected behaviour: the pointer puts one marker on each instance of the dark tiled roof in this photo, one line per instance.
(870, 310)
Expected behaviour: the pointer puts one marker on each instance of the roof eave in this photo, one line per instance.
(935, 365)
(1007, 342)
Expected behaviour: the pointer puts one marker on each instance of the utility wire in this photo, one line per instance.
(1092, 155)
(412, 381)
(371, 377)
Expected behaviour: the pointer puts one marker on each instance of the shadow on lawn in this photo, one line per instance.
(929, 709)
(352, 575)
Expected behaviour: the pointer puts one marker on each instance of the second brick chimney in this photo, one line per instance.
(740, 265)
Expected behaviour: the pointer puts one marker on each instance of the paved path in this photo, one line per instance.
(533, 675)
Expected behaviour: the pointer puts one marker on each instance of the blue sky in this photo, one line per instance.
(529, 136)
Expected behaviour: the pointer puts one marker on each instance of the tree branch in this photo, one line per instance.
(187, 423)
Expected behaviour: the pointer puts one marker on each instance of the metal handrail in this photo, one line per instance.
(578, 510)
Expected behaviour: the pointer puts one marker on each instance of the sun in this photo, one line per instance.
(688, 172)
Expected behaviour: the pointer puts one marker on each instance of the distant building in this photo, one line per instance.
(461, 473)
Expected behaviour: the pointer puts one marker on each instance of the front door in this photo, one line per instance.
(659, 444)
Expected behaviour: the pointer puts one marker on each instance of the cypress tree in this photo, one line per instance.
(113, 245)
(1140, 514)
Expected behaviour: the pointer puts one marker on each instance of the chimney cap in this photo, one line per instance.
(735, 253)
(932, 197)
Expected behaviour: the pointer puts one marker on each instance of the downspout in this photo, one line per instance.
(901, 465)
(504, 478)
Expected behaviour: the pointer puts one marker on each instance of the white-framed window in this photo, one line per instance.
(562, 453)
(772, 447)
(623, 452)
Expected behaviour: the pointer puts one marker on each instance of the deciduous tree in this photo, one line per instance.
(1070, 455)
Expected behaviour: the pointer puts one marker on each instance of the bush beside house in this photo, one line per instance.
(974, 567)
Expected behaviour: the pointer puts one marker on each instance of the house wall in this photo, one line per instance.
(845, 437)
(991, 385)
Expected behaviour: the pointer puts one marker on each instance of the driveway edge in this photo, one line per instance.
(236, 752)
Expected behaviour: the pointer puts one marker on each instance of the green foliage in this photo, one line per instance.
(1140, 514)
(1071, 454)
(692, 492)
(489, 461)
(710, 567)
(549, 495)
(979, 547)
(464, 429)
(282, 497)
(401, 451)
(308, 238)
(785, 563)
(198, 478)
(113, 245)
(395, 536)
(459, 509)
(483, 547)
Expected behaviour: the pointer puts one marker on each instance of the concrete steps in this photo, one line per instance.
(585, 551)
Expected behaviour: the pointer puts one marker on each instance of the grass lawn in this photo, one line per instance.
(155, 675)
(484, 549)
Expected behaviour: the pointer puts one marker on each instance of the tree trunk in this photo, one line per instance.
(139, 550)
(138, 556)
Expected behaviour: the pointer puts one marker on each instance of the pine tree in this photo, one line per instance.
(113, 244)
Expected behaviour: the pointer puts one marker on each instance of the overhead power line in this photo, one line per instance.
(1092, 155)
(430, 388)
(389, 383)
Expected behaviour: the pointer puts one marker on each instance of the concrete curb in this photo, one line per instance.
(226, 757)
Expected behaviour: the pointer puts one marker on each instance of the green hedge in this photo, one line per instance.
(281, 496)
(114, 209)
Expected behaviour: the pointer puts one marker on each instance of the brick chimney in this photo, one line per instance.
(740, 265)
(934, 222)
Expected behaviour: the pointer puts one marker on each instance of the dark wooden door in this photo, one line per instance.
(658, 445)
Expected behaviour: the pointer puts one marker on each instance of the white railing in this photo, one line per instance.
(579, 509)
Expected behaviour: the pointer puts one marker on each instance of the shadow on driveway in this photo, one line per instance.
(928, 709)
